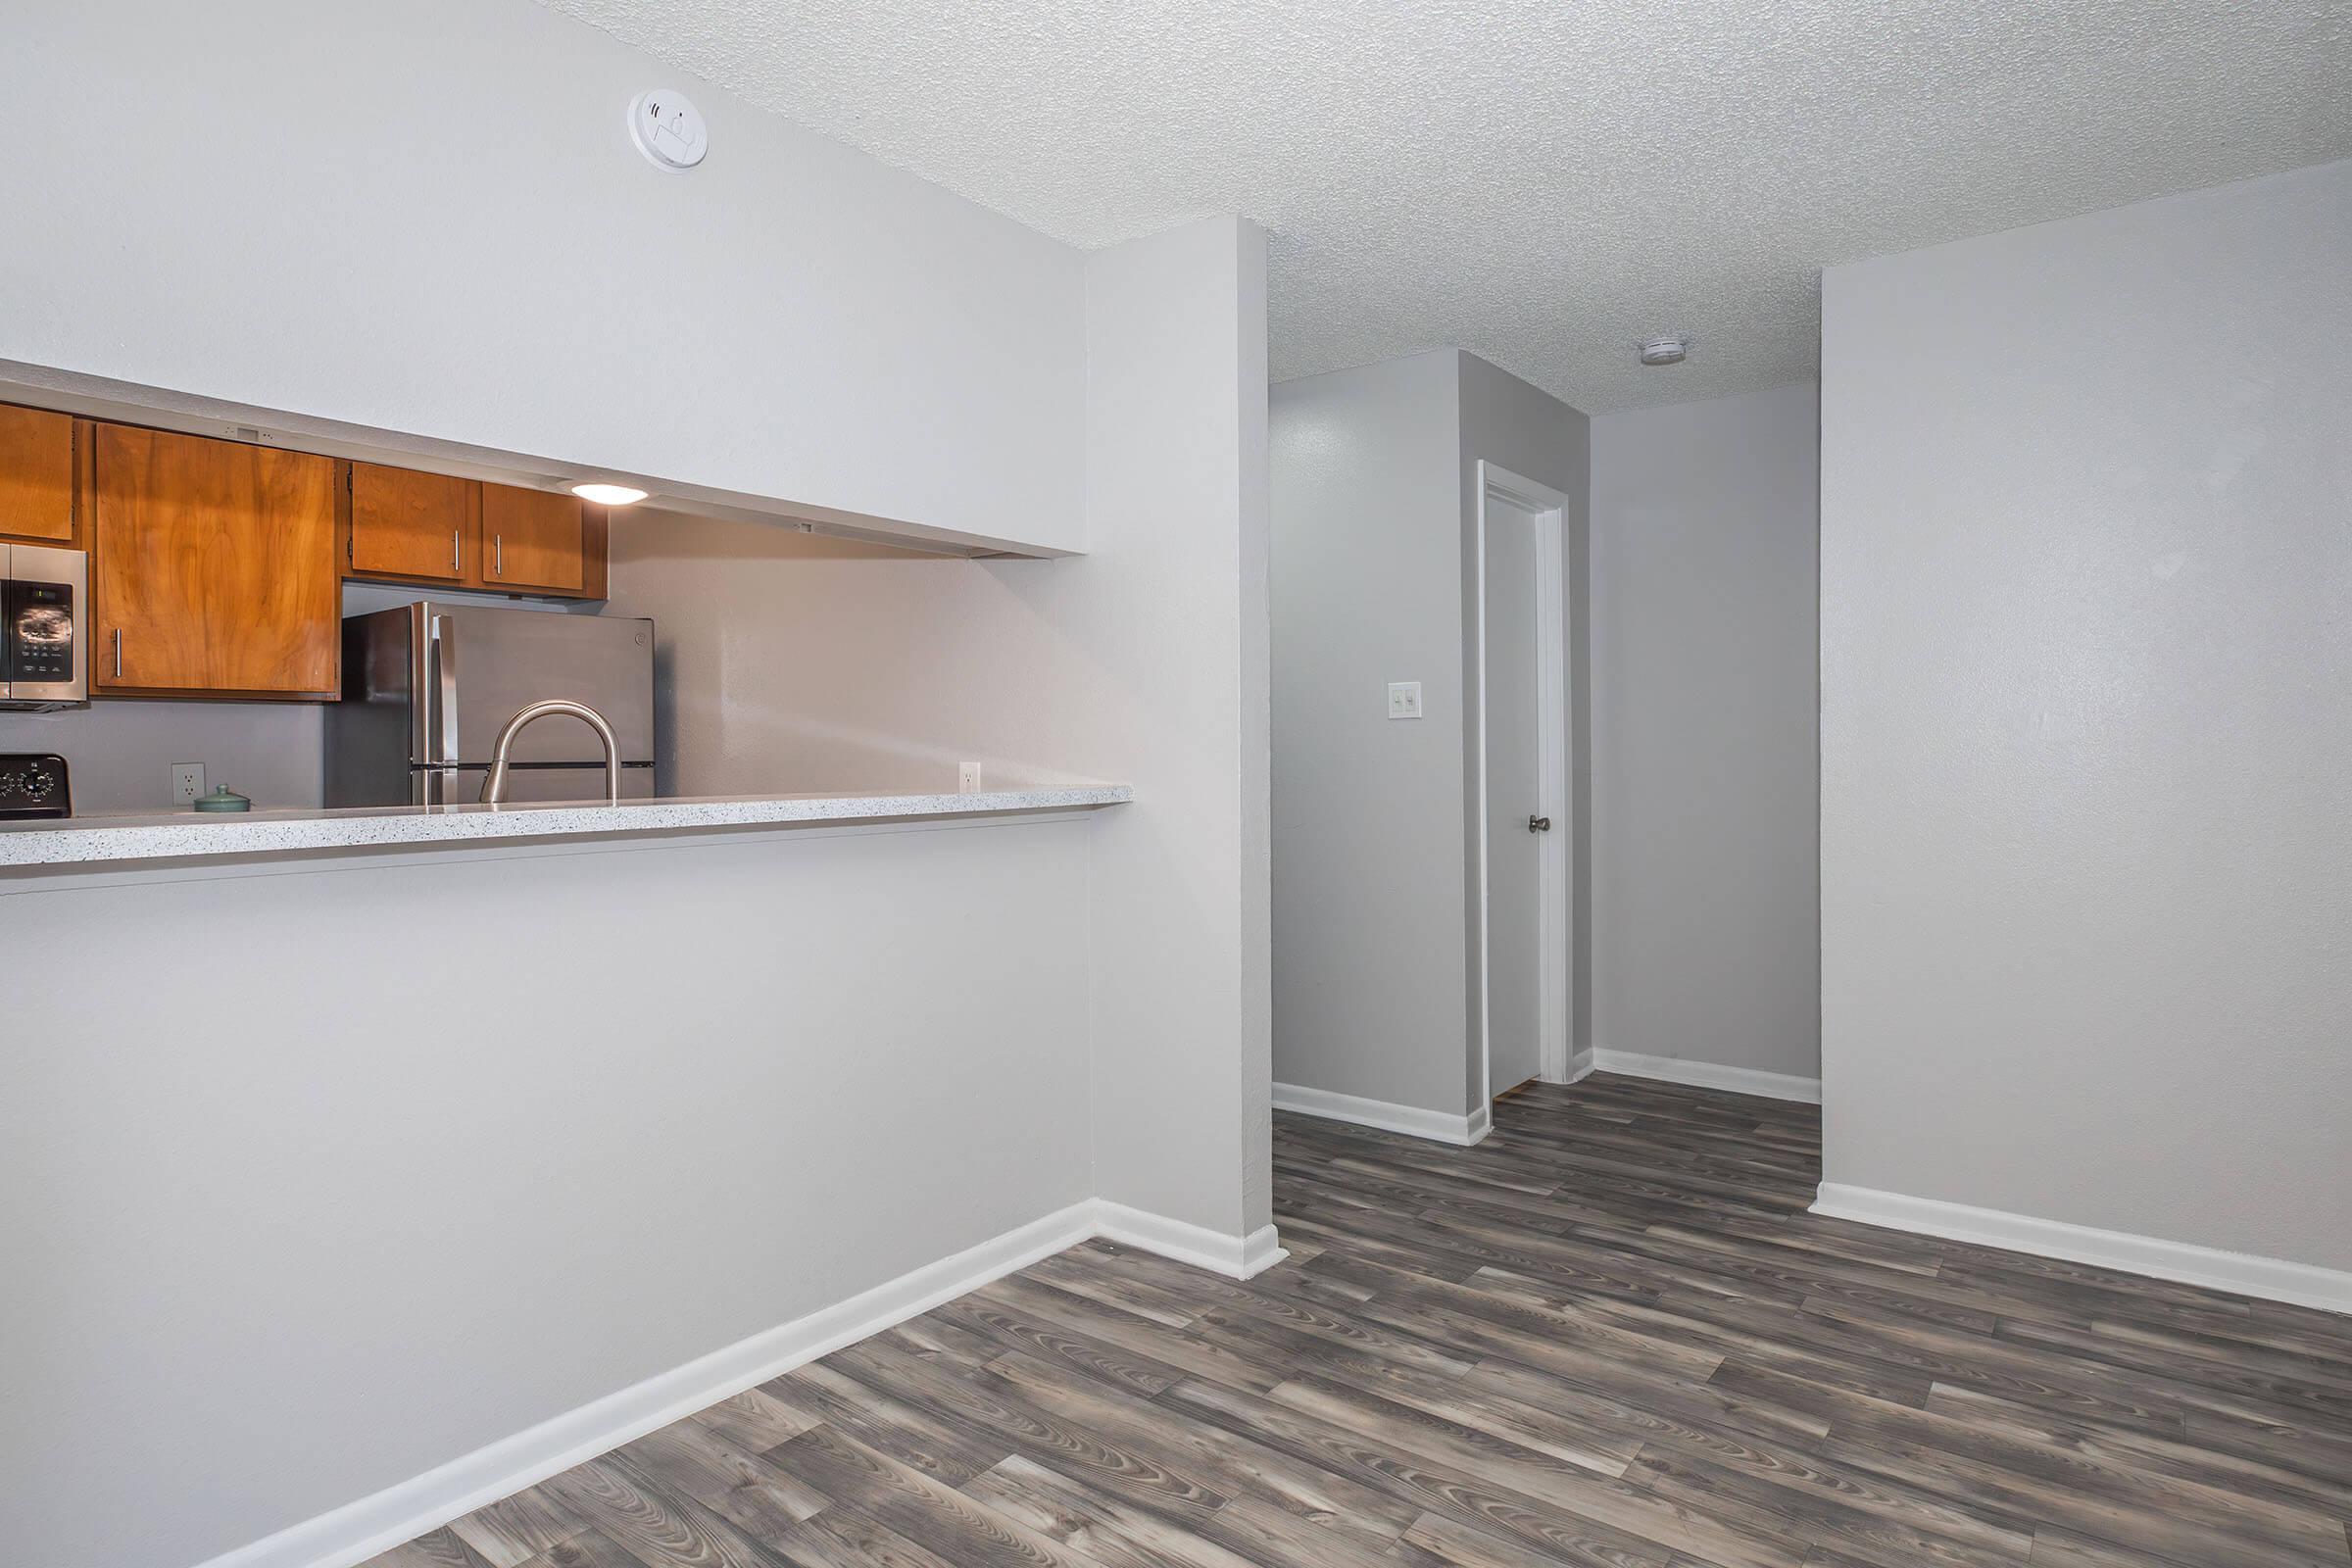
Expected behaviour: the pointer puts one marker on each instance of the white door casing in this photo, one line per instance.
(1522, 714)
(1514, 794)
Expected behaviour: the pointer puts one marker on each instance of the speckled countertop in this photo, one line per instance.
(181, 835)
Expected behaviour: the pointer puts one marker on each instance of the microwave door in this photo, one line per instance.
(44, 652)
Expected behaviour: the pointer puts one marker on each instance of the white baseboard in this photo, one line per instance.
(2269, 1278)
(1709, 1075)
(1579, 1069)
(1411, 1120)
(1234, 1256)
(357, 1531)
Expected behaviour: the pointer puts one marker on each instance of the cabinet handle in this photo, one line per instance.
(498, 551)
(117, 653)
(454, 569)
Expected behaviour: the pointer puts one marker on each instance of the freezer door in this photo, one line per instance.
(536, 785)
(376, 732)
(483, 667)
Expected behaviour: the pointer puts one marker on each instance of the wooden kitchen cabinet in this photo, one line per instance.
(410, 525)
(38, 470)
(532, 539)
(213, 569)
(402, 526)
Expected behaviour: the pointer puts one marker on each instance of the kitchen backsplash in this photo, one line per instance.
(121, 750)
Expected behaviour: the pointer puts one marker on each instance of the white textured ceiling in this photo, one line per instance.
(1542, 183)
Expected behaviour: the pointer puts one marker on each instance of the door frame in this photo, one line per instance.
(1554, 1004)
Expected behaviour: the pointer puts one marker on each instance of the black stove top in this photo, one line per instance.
(33, 784)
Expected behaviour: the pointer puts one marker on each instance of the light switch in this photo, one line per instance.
(1404, 699)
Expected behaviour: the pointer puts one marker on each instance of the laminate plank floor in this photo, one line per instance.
(1610, 1335)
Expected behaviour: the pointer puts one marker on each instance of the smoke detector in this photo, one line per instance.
(1672, 350)
(668, 129)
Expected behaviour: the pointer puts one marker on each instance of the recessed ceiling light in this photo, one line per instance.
(609, 495)
(1664, 350)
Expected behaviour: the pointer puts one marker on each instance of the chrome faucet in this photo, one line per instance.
(494, 788)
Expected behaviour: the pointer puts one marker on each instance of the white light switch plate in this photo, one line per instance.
(1404, 699)
(187, 783)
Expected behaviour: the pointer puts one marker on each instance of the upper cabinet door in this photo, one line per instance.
(215, 568)
(408, 524)
(531, 539)
(36, 474)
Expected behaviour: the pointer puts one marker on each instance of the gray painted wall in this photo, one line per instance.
(1535, 435)
(1368, 901)
(1705, 927)
(794, 661)
(1375, 934)
(2087, 770)
(121, 750)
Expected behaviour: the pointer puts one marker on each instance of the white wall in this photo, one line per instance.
(1376, 936)
(380, 1161)
(405, 1154)
(1170, 609)
(2087, 774)
(401, 1203)
(1705, 923)
(427, 220)
(817, 664)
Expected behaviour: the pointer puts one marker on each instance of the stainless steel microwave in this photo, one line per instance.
(44, 612)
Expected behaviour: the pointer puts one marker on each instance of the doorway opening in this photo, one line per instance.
(1525, 812)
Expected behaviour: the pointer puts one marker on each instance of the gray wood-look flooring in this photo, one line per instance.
(1608, 1336)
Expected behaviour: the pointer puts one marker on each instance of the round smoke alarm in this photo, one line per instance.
(668, 129)
(1664, 350)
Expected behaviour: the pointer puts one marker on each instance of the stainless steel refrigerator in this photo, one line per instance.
(428, 688)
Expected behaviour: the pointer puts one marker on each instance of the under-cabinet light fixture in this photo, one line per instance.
(609, 495)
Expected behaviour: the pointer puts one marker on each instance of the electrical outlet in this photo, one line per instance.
(187, 783)
(967, 778)
(1404, 699)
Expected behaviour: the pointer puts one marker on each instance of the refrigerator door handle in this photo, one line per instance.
(441, 644)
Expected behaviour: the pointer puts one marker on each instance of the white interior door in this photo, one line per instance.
(1514, 794)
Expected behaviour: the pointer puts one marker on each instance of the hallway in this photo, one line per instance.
(1608, 1335)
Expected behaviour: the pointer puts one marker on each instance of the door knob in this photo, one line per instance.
(1539, 824)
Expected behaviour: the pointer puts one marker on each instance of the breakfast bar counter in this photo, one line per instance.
(184, 835)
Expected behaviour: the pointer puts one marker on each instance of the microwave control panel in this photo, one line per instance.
(39, 630)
